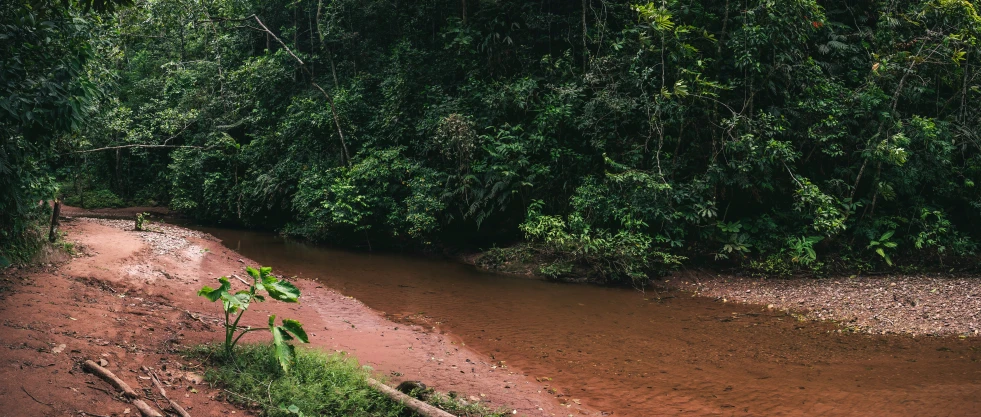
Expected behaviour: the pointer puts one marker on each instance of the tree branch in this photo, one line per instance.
(330, 100)
(303, 66)
(139, 146)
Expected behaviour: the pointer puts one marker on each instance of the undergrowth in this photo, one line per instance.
(20, 244)
(92, 199)
(318, 384)
(456, 406)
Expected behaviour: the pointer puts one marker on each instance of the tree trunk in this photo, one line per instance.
(119, 180)
(53, 232)
(78, 183)
(333, 70)
(585, 46)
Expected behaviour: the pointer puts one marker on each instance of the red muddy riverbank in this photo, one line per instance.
(131, 300)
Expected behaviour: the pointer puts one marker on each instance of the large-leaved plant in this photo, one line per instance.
(235, 304)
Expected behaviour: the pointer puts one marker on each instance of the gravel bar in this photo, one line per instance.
(917, 305)
(163, 238)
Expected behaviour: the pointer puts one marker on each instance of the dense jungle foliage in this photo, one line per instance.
(599, 138)
(47, 88)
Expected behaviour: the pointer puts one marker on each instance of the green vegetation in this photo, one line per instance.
(28, 235)
(44, 89)
(142, 219)
(605, 139)
(90, 199)
(235, 305)
(318, 385)
(457, 406)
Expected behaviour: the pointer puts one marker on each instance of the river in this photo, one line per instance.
(634, 354)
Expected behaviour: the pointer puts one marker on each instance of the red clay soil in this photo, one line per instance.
(129, 300)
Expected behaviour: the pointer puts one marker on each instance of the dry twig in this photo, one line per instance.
(35, 399)
(163, 393)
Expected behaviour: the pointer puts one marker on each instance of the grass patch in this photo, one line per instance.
(460, 407)
(319, 384)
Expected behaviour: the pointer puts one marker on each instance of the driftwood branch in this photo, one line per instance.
(156, 383)
(242, 280)
(176, 408)
(145, 409)
(418, 406)
(111, 378)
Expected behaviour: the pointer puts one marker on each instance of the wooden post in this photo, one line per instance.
(53, 232)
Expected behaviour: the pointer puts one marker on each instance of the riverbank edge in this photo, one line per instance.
(925, 304)
(434, 353)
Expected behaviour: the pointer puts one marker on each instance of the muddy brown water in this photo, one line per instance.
(625, 353)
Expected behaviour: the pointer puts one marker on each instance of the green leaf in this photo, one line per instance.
(232, 303)
(209, 293)
(244, 298)
(296, 329)
(281, 290)
(213, 294)
(253, 273)
(881, 252)
(887, 235)
(284, 351)
(260, 277)
(285, 354)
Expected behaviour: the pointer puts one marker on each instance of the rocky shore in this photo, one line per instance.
(916, 305)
